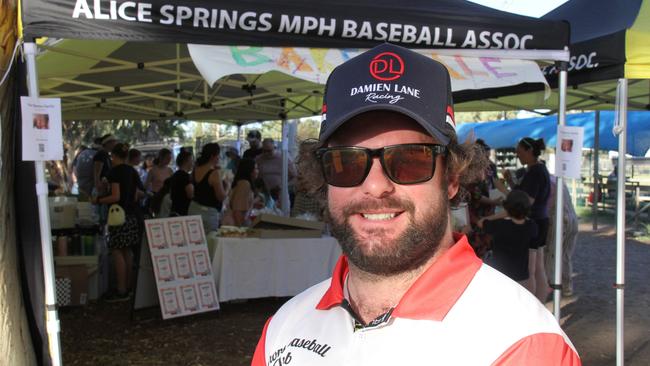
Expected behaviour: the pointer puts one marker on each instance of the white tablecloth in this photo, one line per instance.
(246, 268)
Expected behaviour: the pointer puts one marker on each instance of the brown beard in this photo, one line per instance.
(415, 246)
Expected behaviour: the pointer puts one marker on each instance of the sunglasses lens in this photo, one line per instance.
(344, 167)
(408, 164)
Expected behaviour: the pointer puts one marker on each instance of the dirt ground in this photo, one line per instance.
(103, 334)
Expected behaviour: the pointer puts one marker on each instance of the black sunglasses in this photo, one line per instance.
(348, 166)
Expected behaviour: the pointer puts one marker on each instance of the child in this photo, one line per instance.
(511, 237)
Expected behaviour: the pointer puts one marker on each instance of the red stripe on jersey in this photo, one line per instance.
(259, 358)
(432, 295)
(334, 294)
(539, 349)
(436, 291)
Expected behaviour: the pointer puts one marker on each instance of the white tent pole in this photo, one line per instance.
(51, 314)
(559, 200)
(596, 191)
(284, 193)
(178, 78)
(621, 130)
(238, 142)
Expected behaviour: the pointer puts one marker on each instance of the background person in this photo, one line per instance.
(269, 163)
(146, 166)
(305, 203)
(84, 169)
(135, 158)
(209, 191)
(102, 164)
(160, 171)
(242, 194)
(537, 185)
(511, 237)
(181, 187)
(123, 238)
(254, 138)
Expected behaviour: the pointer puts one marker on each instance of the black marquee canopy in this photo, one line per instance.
(295, 23)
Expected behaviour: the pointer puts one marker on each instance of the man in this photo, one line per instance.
(102, 164)
(254, 139)
(84, 169)
(269, 164)
(406, 291)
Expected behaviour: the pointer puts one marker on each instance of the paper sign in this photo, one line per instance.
(183, 272)
(176, 233)
(208, 295)
(568, 151)
(201, 262)
(170, 302)
(190, 300)
(42, 130)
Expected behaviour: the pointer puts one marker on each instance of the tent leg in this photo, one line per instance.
(52, 317)
(559, 202)
(238, 142)
(284, 193)
(596, 191)
(621, 130)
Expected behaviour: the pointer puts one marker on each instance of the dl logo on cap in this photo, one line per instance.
(386, 66)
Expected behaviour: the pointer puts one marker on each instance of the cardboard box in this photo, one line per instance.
(88, 288)
(63, 216)
(274, 226)
(78, 275)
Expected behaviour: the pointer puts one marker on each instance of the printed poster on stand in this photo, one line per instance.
(42, 129)
(568, 151)
(181, 266)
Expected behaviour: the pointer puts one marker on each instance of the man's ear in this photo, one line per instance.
(453, 184)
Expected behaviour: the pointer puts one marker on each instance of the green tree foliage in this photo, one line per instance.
(463, 117)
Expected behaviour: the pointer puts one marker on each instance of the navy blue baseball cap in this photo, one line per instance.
(392, 78)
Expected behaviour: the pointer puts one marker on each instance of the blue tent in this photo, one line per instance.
(506, 134)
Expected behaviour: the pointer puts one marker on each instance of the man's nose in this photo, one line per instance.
(377, 184)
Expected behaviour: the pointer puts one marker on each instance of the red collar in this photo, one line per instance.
(432, 295)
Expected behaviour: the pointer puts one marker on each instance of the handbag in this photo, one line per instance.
(116, 215)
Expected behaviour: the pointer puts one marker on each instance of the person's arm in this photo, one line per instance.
(149, 181)
(498, 184)
(507, 175)
(496, 216)
(240, 201)
(215, 181)
(112, 198)
(189, 190)
(97, 174)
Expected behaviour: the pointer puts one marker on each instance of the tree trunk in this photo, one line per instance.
(15, 341)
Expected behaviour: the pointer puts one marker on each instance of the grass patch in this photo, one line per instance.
(586, 215)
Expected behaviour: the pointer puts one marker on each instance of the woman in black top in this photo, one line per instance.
(537, 184)
(123, 180)
(209, 191)
(182, 189)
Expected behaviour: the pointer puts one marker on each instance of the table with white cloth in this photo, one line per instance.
(246, 268)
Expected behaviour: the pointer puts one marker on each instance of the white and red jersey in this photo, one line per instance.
(458, 312)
